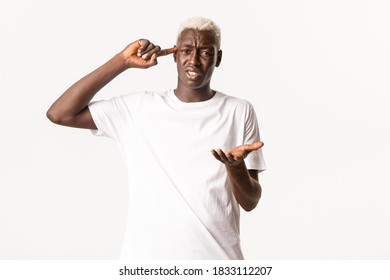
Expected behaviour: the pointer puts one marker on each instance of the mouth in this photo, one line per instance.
(193, 75)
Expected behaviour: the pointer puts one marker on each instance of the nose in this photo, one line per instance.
(194, 58)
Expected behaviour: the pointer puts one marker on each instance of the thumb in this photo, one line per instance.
(253, 147)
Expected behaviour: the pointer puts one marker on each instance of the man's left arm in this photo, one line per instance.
(246, 188)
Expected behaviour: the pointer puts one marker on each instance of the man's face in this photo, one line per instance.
(196, 57)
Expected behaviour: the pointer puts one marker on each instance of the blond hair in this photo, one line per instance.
(201, 23)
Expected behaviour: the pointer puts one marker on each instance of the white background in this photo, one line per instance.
(317, 73)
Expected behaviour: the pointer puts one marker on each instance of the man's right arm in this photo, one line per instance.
(71, 108)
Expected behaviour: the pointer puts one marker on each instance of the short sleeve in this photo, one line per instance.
(255, 159)
(109, 116)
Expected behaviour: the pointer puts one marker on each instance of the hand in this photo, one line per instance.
(143, 54)
(237, 155)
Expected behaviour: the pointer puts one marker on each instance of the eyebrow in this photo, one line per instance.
(187, 44)
(190, 44)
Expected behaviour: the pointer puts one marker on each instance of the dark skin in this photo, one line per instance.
(196, 56)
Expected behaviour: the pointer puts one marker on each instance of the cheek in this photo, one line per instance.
(180, 60)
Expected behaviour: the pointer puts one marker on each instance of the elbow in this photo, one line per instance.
(55, 117)
(252, 203)
(250, 206)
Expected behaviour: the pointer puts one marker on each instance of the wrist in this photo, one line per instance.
(122, 61)
(239, 168)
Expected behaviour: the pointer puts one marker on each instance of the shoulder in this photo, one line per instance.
(140, 97)
(236, 102)
(127, 102)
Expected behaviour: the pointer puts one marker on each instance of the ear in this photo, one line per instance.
(219, 58)
(174, 54)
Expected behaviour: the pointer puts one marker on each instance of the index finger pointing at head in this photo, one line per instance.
(166, 51)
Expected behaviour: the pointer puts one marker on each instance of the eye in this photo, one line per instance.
(206, 53)
(185, 51)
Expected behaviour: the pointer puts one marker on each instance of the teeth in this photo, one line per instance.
(192, 74)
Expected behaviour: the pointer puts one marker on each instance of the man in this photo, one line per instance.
(183, 200)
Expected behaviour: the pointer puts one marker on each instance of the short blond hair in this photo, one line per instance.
(201, 23)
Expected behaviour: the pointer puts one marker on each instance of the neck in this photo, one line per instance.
(191, 95)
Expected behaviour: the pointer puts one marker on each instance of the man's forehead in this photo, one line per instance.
(192, 36)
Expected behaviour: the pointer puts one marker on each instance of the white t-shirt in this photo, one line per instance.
(180, 201)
